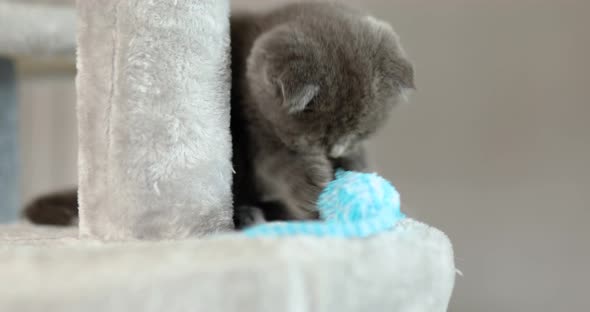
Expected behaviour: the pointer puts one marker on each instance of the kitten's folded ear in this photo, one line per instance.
(405, 74)
(296, 98)
(281, 62)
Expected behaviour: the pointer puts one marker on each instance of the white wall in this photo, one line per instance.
(48, 130)
(493, 149)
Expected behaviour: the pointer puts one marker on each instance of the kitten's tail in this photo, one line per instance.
(59, 209)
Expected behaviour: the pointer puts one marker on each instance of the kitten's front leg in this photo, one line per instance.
(246, 216)
(306, 178)
(290, 183)
(266, 211)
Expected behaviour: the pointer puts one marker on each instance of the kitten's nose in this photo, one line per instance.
(340, 147)
(337, 150)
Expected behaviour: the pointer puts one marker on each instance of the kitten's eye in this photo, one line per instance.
(310, 107)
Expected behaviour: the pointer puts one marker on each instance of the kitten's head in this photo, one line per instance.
(326, 82)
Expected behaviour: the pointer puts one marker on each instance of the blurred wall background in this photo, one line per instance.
(493, 148)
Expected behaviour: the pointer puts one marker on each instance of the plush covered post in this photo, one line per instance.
(153, 108)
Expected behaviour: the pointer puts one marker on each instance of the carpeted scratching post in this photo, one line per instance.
(153, 110)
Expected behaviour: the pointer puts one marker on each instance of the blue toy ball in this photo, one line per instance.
(353, 205)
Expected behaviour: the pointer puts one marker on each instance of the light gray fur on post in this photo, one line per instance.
(153, 108)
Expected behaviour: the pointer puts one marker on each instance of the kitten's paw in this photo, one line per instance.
(246, 216)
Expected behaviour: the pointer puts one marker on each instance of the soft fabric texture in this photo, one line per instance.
(37, 28)
(153, 109)
(409, 269)
(354, 204)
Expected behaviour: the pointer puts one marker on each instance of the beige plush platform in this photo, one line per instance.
(49, 269)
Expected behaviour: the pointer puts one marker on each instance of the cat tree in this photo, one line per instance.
(153, 108)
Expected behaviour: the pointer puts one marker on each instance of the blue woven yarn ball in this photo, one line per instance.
(353, 205)
(355, 196)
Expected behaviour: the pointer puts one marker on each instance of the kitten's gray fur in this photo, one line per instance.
(311, 81)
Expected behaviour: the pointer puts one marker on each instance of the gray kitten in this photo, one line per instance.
(310, 83)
